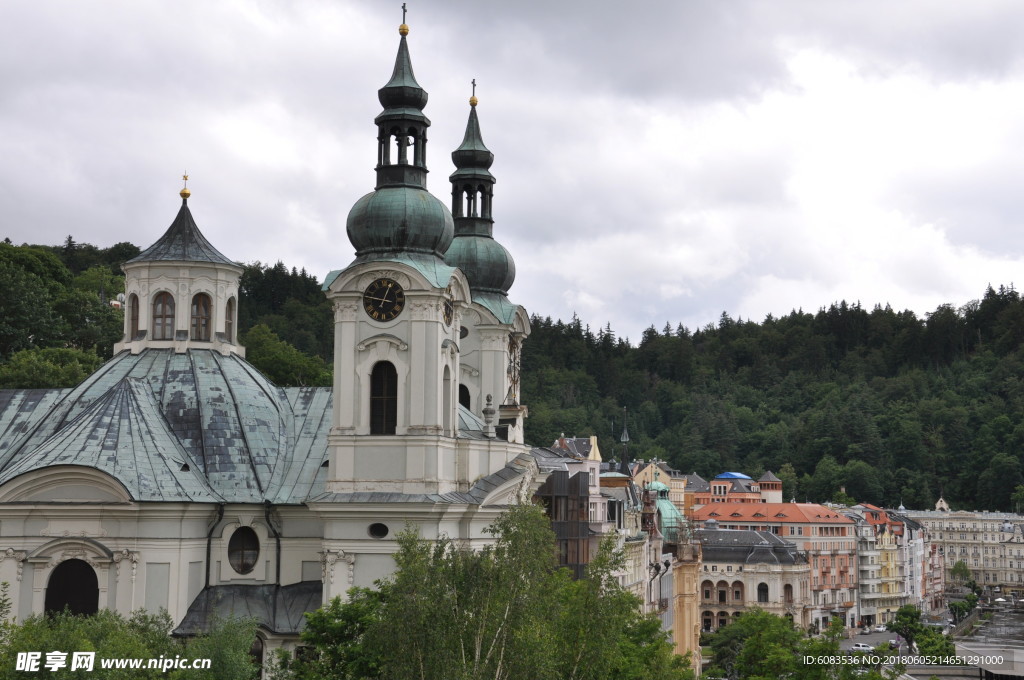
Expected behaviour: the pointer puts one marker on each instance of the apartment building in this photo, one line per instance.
(826, 536)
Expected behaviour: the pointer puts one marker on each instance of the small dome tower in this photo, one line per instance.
(181, 292)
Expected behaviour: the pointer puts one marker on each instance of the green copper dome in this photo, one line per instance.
(400, 219)
(484, 261)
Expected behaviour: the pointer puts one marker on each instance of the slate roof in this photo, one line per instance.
(768, 477)
(182, 242)
(747, 547)
(251, 440)
(278, 609)
(123, 434)
(696, 483)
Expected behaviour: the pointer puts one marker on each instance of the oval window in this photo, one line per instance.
(378, 530)
(243, 550)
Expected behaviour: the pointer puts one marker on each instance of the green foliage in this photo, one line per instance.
(891, 406)
(335, 635)
(291, 304)
(281, 362)
(140, 636)
(47, 368)
(26, 317)
(756, 644)
(960, 572)
(931, 642)
(907, 624)
(503, 612)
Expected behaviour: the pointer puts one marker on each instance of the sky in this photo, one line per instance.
(657, 162)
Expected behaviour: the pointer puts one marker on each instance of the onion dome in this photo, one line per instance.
(400, 215)
(485, 262)
(399, 219)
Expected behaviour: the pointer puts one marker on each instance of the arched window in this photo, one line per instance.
(383, 398)
(762, 592)
(787, 593)
(446, 403)
(163, 317)
(243, 550)
(133, 316)
(464, 397)
(73, 586)
(229, 320)
(200, 317)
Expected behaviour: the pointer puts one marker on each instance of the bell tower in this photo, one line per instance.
(493, 328)
(396, 307)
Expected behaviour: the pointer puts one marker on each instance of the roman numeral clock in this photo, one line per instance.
(384, 299)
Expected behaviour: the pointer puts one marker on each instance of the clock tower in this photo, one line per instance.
(396, 311)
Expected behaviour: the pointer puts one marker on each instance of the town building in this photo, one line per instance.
(827, 537)
(743, 569)
(736, 487)
(991, 544)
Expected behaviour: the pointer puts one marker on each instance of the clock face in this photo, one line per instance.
(384, 299)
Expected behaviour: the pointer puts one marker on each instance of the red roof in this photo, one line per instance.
(797, 513)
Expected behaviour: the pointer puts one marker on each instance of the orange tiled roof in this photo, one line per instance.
(799, 513)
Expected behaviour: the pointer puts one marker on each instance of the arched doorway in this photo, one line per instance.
(73, 586)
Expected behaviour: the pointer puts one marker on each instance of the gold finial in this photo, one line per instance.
(403, 29)
(185, 193)
(473, 100)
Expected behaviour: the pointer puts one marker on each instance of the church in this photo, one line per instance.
(177, 476)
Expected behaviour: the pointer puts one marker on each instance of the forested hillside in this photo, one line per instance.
(889, 406)
(884, 404)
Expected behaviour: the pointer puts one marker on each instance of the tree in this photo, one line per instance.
(282, 363)
(502, 612)
(335, 633)
(47, 368)
(26, 319)
(907, 624)
(756, 644)
(960, 572)
(139, 636)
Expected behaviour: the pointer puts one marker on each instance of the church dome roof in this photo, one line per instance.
(400, 218)
(196, 424)
(485, 262)
(182, 242)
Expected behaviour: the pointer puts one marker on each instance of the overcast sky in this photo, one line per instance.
(656, 161)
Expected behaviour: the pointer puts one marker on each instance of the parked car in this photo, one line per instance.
(865, 631)
(880, 628)
(861, 647)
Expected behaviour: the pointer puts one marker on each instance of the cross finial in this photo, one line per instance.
(185, 193)
(474, 87)
(403, 12)
(185, 179)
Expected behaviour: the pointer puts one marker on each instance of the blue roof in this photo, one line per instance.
(732, 475)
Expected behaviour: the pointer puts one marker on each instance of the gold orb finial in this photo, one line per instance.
(185, 193)
(473, 100)
(403, 29)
